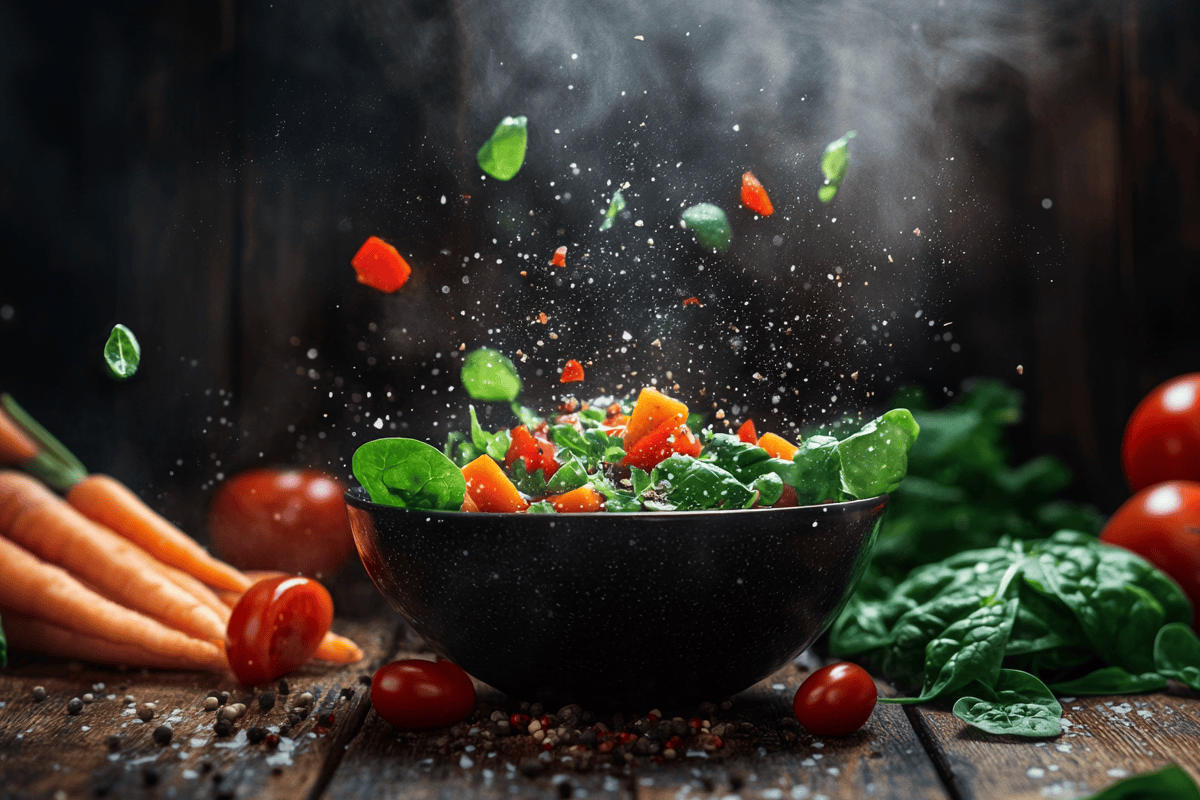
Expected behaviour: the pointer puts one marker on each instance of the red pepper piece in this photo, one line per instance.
(572, 371)
(380, 266)
(560, 257)
(746, 433)
(754, 196)
(538, 453)
(693, 301)
(659, 444)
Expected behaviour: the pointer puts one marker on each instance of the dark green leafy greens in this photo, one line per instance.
(410, 474)
(502, 155)
(615, 207)
(1169, 783)
(710, 225)
(834, 163)
(490, 376)
(122, 353)
(986, 628)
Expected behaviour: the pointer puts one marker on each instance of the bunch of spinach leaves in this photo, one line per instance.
(993, 630)
(1169, 783)
(963, 492)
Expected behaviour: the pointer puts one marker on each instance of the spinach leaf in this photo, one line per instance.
(749, 463)
(541, 507)
(410, 474)
(615, 500)
(818, 475)
(490, 376)
(570, 475)
(834, 163)
(591, 446)
(875, 460)
(969, 649)
(502, 155)
(710, 225)
(122, 353)
(1016, 704)
(494, 444)
(1169, 783)
(692, 484)
(615, 207)
(1111, 680)
(1177, 654)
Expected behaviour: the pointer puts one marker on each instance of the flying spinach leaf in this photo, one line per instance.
(875, 460)
(490, 376)
(410, 474)
(615, 207)
(1177, 654)
(1017, 704)
(834, 163)
(710, 225)
(122, 353)
(502, 155)
(1169, 783)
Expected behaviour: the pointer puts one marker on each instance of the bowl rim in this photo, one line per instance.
(357, 496)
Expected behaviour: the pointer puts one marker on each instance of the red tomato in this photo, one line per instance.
(1162, 437)
(754, 196)
(746, 432)
(1161, 523)
(538, 453)
(572, 371)
(835, 700)
(276, 627)
(416, 695)
(290, 520)
(660, 444)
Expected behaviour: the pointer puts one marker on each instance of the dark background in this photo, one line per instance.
(203, 172)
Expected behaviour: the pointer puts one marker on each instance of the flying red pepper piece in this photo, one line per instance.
(572, 371)
(560, 257)
(754, 196)
(380, 266)
(693, 301)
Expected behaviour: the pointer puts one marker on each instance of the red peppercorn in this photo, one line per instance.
(652, 717)
(547, 746)
(545, 720)
(625, 737)
(606, 746)
(674, 743)
(696, 723)
(518, 720)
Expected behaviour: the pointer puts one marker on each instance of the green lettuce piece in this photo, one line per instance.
(710, 225)
(615, 207)
(490, 376)
(834, 163)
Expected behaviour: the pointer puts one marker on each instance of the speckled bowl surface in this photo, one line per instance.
(636, 610)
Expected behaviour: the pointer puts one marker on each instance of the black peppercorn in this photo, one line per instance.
(162, 734)
(74, 706)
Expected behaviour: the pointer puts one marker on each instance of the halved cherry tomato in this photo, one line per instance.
(661, 443)
(1161, 523)
(414, 694)
(572, 371)
(835, 700)
(276, 627)
(1162, 437)
(538, 453)
(746, 432)
(290, 520)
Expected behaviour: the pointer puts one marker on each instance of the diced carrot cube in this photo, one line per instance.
(777, 446)
(651, 411)
(490, 488)
(576, 501)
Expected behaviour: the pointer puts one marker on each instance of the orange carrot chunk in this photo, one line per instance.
(754, 196)
(490, 488)
(380, 266)
(572, 371)
(777, 446)
(577, 501)
(746, 432)
(108, 501)
(652, 409)
(560, 257)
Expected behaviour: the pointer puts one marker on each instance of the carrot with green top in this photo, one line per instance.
(39, 521)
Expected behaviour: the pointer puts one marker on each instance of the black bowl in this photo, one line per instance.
(634, 610)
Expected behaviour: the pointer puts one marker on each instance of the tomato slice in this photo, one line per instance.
(276, 627)
(746, 432)
(538, 453)
(572, 371)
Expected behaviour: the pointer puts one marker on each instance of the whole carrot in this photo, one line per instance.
(31, 587)
(37, 519)
(27, 632)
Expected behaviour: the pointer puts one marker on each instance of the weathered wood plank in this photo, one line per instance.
(761, 753)
(1105, 739)
(44, 749)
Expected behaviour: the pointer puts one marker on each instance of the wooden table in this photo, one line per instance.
(909, 753)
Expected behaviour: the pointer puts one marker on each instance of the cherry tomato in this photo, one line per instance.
(276, 627)
(414, 694)
(1161, 523)
(1162, 437)
(290, 520)
(835, 700)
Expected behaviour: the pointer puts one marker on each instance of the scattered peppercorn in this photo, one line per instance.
(211, 703)
(266, 701)
(149, 777)
(74, 706)
(88, 698)
(347, 693)
(222, 727)
(40, 694)
(256, 734)
(113, 743)
(146, 712)
(304, 699)
(283, 686)
(365, 679)
(326, 720)
(162, 734)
